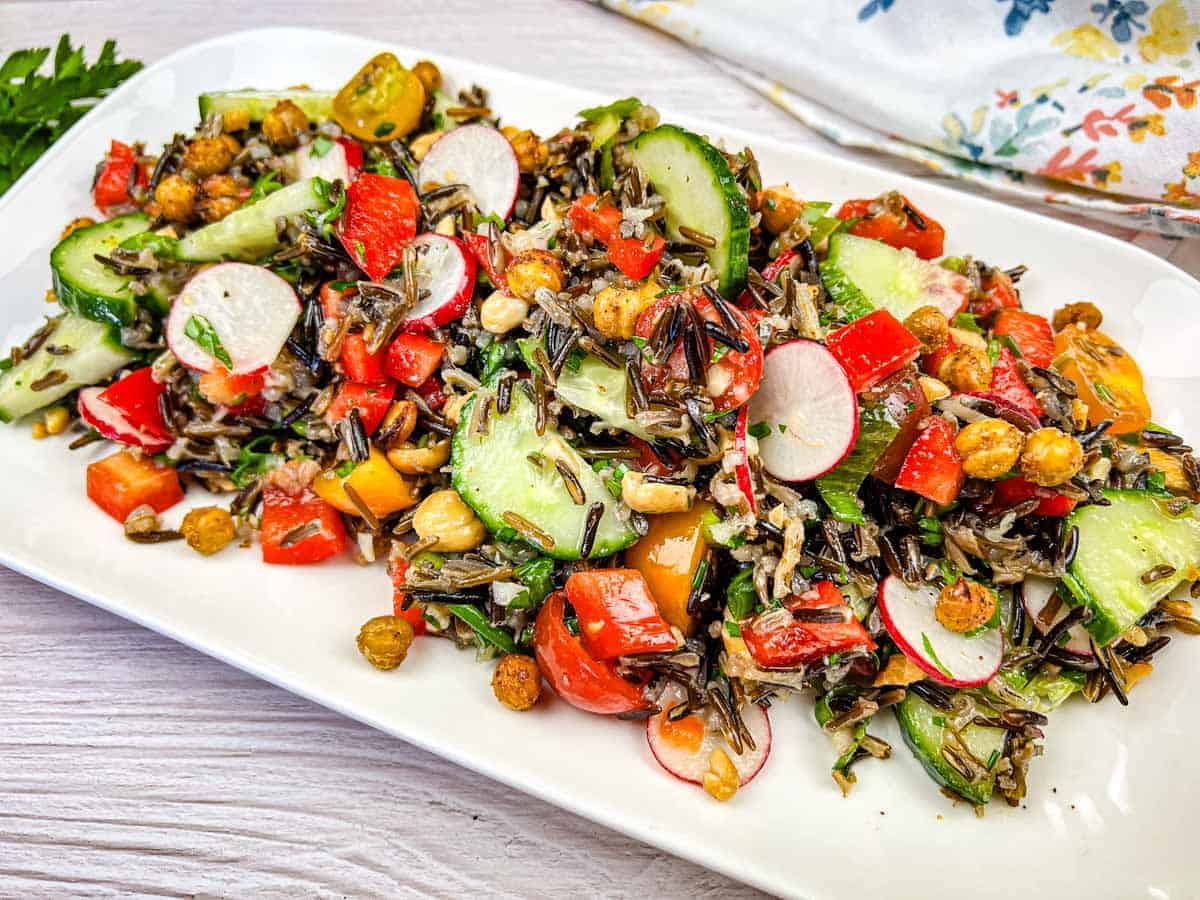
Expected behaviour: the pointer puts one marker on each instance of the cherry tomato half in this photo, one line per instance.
(1109, 380)
(732, 375)
(382, 101)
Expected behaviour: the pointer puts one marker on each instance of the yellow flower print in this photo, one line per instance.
(1088, 42)
(1133, 82)
(1171, 34)
(1104, 176)
(1151, 123)
(1192, 169)
(1177, 192)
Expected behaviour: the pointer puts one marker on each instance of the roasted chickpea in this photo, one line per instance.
(615, 310)
(721, 780)
(966, 369)
(208, 156)
(219, 196)
(75, 225)
(443, 515)
(208, 529)
(989, 448)
(235, 120)
(412, 460)
(57, 418)
(531, 152)
(384, 641)
(428, 74)
(500, 313)
(531, 270)
(420, 145)
(928, 326)
(1051, 457)
(283, 125)
(176, 196)
(517, 681)
(965, 606)
(234, 145)
(933, 389)
(779, 208)
(397, 426)
(1081, 313)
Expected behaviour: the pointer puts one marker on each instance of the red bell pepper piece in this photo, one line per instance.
(379, 222)
(1008, 385)
(136, 396)
(122, 482)
(333, 301)
(431, 392)
(635, 258)
(413, 358)
(1029, 331)
(354, 155)
(617, 615)
(283, 514)
(895, 225)
(933, 467)
(112, 184)
(360, 364)
(1011, 491)
(575, 675)
(415, 614)
(872, 348)
(800, 643)
(480, 248)
(371, 401)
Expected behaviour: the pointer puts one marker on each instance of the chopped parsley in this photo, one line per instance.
(201, 331)
(759, 430)
(320, 146)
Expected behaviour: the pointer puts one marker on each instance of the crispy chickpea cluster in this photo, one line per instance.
(779, 208)
(384, 641)
(284, 124)
(517, 681)
(964, 606)
(532, 152)
(1051, 457)
(210, 156)
(615, 310)
(531, 270)
(928, 326)
(966, 369)
(989, 448)
(444, 516)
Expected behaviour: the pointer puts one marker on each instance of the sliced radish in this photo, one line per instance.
(1035, 594)
(680, 748)
(251, 310)
(446, 273)
(320, 159)
(480, 157)
(810, 409)
(745, 479)
(113, 424)
(944, 655)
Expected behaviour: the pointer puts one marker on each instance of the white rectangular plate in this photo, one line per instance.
(1107, 805)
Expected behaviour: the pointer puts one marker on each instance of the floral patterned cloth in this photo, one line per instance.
(1090, 104)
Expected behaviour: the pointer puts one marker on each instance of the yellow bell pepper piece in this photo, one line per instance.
(381, 488)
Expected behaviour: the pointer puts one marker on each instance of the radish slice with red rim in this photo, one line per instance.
(323, 158)
(683, 747)
(236, 310)
(446, 276)
(957, 660)
(113, 424)
(745, 479)
(1035, 595)
(807, 410)
(480, 157)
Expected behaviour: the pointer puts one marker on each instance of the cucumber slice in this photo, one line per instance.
(839, 489)
(83, 284)
(317, 105)
(862, 274)
(701, 194)
(921, 725)
(95, 353)
(1117, 545)
(494, 474)
(249, 233)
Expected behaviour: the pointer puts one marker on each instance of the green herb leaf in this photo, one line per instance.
(345, 468)
(740, 597)
(159, 244)
(1007, 341)
(929, 651)
(619, 108)
(733, 629)
(1105, 394)
(200, 330)
(538, 576)
(265, 184)
(967, 322)
(759, 430)
(254, 460)
(383, 129)
(320, 146)
(485, 630)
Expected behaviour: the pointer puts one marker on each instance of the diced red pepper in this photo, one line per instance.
(931, 362)
(122, 482)
(617, 615)
(333, 301)
(379, 222)
(480, 248)
(413, 358)
(112, 184)
(415, 614)
(136, 396)
(998, 293)
(1029, 331)
(371, 400)
(360, 364)
(872, 348)
(431, 392)
(635, 258)
(235, 391)
(897, 228)
(283, 514)
(1012, 491)
(799, 643)
(575, 675)
(933, 467)
(1008, 385)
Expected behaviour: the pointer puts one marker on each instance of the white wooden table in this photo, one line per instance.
(131, 764)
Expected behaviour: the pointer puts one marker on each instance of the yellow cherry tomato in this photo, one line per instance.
(667, 557)
(1109, 381)
(382, 101)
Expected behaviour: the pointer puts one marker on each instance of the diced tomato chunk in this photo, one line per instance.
(1008, 385)
(283, 514)
(617, 615)
(896, 222)
(413, 358)
(371, 401)
(799, 643)
(1030, 332)
(933, 467)
(635, 257)
(379, 222)
(872, 348)
(1012, 491)
(122, 482)
(112, 184)
(359, 363)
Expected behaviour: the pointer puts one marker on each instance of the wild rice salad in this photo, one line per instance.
(618, 417)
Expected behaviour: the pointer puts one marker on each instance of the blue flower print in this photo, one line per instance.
(1124, 13)
(1022, 11)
